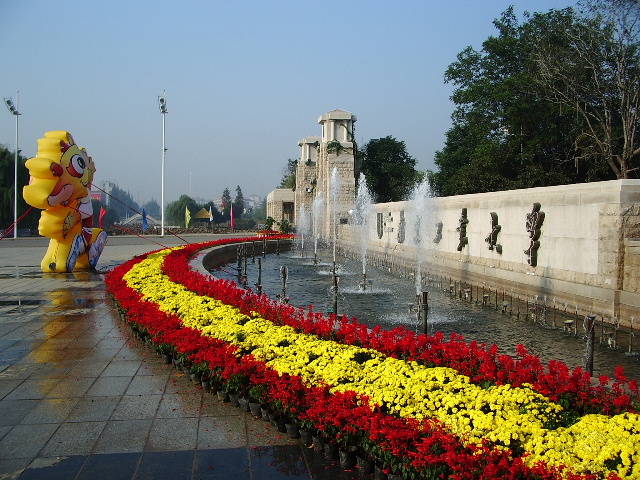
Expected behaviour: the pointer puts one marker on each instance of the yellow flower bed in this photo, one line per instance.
(503, 414)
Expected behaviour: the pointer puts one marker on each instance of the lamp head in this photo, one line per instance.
(162, 103)
(11, 107)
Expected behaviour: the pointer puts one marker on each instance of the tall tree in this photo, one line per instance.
(7, 189)
(593, 68)
(122, 202)
(152, 208)
(225, 206)
(289, 175)
(176, 210)
(238, 203)
(389, 169)
(506, 134)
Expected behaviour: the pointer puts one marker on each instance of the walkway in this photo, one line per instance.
(81, 399)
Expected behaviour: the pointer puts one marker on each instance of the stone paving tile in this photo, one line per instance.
(148, 384)
(109, 466)
(12, 411)
(165, 465)
(31, 389)
(109, 386)
(12, 468)
(228, 463)
(55, 468)
(73, 438)
(93, 409)
(221, 432)
(137, 407)
(172, 434)
(124, 436)
(50, 410)
(26, 441)
(121, 368)
(71, 387)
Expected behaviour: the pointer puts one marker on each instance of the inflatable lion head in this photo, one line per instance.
(60, 173)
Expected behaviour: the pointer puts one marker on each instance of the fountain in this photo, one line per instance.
(317, 215)
(334, 188)
(361, 214)
(419, 217)
(302, 227)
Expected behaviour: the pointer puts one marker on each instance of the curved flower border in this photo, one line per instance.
(482, 411)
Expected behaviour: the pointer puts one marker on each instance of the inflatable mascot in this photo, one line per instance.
(59, 184)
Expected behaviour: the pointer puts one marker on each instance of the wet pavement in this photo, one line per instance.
(80, 398)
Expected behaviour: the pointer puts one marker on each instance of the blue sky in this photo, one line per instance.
(244, 81)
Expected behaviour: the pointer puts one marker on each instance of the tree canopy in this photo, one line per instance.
(289, 175)
(514, 126)
(389, 170)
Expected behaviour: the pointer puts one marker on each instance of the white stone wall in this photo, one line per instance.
(586, 256)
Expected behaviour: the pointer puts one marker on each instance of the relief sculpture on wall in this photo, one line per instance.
(463, 221)
(534, 222)
(492, 238)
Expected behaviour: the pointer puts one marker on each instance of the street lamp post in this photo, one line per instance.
(162, 103)
(14, 111)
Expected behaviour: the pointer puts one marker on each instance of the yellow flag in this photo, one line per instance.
(187, 217)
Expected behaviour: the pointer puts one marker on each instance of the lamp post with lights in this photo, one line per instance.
(14, 111)
(162, 104)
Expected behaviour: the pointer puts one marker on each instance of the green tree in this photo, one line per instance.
(225, 207)
(7, 189)
(592, 67)
(238, 204)
(175, 211)
(289, 175)
(507, 132)
(389, 169)
(152, 208)
(122, 202)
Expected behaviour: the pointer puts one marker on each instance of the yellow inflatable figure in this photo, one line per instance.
(61, 176)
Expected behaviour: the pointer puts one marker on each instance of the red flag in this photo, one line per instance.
(103, 212)
(233, 223)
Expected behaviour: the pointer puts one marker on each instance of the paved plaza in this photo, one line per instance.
(80, 398)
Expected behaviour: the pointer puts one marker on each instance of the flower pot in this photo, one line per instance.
(266, 414)
(393, 476)
(365, 466)
(255, 409)
(378, 474)
(331, 450)
(167, 358)
(223, 396)
(305, 437)
(292, 430)
(347, 458)
(233, 398)
(281, 425)
(317, 444)
(244, 404)
(196, 378)
(206, 385)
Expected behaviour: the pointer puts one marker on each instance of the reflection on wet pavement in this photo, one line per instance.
(81, 398)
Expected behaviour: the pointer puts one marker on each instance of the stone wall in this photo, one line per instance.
(572, 244)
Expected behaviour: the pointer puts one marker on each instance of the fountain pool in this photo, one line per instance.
(389, 301)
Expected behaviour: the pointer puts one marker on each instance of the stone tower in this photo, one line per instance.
(306, 173)
(319, 157)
